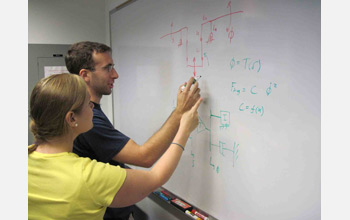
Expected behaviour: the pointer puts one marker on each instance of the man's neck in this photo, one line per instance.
(94, 97)
(95, 100)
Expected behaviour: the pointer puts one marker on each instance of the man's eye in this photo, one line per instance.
(109, 67)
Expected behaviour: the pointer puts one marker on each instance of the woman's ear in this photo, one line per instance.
(71, 120)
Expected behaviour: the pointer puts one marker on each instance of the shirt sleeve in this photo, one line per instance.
(102, 142)
(103, 181)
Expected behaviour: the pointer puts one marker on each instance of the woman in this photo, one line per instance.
(62, 185)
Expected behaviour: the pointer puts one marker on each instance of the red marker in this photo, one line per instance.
(165, 193)
(199, 215)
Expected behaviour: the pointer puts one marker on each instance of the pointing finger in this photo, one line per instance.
(196, 106)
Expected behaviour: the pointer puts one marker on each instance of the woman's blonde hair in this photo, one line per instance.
(51, 99)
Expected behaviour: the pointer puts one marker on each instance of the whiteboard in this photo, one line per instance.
(256, 152)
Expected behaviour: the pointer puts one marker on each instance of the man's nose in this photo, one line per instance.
(114, 74)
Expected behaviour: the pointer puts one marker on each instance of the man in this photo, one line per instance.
(93, 62)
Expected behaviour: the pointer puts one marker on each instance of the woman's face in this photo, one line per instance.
(84, 118)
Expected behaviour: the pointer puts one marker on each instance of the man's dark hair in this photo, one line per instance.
(79, 55)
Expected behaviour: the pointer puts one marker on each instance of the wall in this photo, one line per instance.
(67, 22)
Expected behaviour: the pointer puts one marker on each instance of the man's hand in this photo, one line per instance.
(188, 97)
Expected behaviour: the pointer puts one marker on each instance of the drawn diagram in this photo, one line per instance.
(193, 63)
(221, 146)
(183, 41)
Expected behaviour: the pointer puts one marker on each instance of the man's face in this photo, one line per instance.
(102, 78)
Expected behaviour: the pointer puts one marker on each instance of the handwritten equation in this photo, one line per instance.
(252, 109)
(246, 63)
(253, 90)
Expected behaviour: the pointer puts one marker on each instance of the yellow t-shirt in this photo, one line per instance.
(66, 186)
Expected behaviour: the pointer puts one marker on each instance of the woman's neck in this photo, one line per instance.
(56, 145)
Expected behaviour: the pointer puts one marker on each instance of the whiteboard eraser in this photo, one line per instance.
(183, 206)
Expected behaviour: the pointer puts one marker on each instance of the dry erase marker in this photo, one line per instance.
(156, 193)
(199, 214)
(161, 195)
(166, 194)
(192, 215)
(196, 78)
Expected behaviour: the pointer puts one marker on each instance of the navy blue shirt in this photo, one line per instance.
(102, 143)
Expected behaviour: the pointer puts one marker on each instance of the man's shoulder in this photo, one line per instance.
(98, 111)
(99, 116)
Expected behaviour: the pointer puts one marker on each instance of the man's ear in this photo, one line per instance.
(85, 74)
(70, 119)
